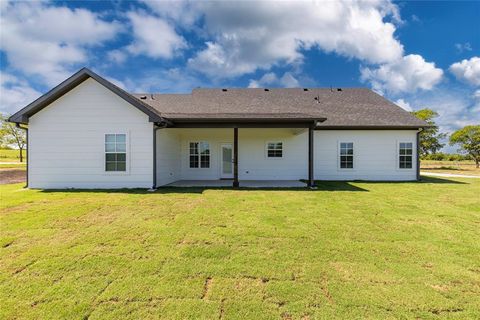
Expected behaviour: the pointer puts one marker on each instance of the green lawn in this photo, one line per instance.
(13, 166)
(347, 250)
(7, 155)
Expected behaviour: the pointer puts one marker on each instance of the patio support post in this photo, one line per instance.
(311, 181)
(236, 184)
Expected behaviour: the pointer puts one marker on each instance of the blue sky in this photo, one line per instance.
(416, 53)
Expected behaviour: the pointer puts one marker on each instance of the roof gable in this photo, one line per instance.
(83, 74)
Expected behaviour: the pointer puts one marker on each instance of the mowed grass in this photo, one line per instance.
(347, 250)
(8, 155)
(19, 165)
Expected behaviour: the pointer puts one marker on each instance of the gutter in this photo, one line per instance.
(28, 148)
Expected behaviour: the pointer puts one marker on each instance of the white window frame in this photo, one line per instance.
(199, 155)
(275, 142)
(412, 155)
(339, 148)
(127, 154)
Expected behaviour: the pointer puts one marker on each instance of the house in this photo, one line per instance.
(89, 133)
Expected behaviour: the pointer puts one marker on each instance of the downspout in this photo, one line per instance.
(160, 125)
(28, 149)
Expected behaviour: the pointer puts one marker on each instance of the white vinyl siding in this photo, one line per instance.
(168, 156)
(253, 163)
(67, 141)
(375, 155)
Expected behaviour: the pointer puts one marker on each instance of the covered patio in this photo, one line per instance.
(220, 150)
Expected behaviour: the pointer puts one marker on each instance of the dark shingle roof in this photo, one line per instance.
(350, 107)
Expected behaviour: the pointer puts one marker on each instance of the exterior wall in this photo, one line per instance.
(168, 156)
(173, 149)
(67, 141)
(375, 154)
(252, 154)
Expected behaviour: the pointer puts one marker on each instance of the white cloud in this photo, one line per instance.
(174, 80)
(154, 37)
(47, 41)
(456, 107)
(461, 47)
(15, 93)
(467, 70)
(415, 18)
(271, 80)
(178, 11)
(476, 98)
(117, 56)
(403, 104)
(246, 36)
(408, 74)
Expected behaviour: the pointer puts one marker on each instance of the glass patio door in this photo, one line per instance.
(227, 161)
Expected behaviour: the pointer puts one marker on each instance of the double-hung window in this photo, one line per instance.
(116, 152)
(274, 149)
(346, 155)
(199, 154)
(405, 154)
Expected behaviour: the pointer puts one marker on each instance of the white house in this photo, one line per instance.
(88, 133)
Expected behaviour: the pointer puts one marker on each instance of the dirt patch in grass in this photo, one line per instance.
(206, 288)
(8, 176)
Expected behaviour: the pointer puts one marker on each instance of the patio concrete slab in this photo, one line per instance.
(243, 183)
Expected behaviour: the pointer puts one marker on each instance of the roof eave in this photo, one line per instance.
(372, 127)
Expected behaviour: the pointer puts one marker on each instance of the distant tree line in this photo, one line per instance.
(440, 156)
(467, 139)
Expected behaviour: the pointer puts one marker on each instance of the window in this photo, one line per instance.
(405, 153)
(274, 149)
(346, 155)
(115, 152)
(199, 155)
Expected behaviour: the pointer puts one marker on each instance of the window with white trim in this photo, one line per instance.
(274, 149)
(199, 154)
(405, 154)
(116, 152)
(346, 155)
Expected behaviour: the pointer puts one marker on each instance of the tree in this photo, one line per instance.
(469, 140)
(429, 137)
(12, 135)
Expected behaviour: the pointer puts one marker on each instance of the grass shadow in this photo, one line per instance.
(337, 186)
(441, 168)
(430, 179)
(321, 185)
